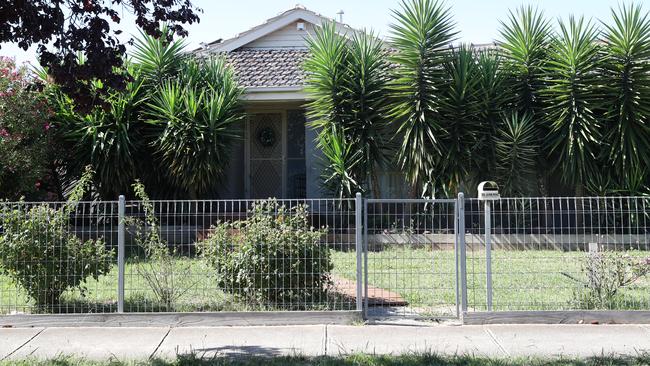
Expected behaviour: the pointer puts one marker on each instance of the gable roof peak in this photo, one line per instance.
(298, 13)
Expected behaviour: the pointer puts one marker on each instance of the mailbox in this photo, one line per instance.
(488, 191)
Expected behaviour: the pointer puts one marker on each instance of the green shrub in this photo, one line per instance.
(603, 276)
(26, 135)
(41, 255)
(273, 258)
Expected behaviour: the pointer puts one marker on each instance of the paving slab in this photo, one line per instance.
(125, 343)
(571, 340)
(94, 343)
(12, 338)
(389, 339)
(306, 340)
(376, 296)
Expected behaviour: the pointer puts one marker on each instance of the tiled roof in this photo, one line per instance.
(268, 67)
(281, 67)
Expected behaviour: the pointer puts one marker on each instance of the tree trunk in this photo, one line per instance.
(375, 184)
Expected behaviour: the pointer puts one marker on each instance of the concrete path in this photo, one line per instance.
(494, 340)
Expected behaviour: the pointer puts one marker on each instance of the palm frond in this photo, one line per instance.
(627, 78)
(198, 114)
(574, 96)
(524, 40)
(348, 84)
(158, 58)
(421, 34)
(340, 159)
(516, 152)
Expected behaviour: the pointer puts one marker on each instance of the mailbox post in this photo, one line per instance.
(488, 192)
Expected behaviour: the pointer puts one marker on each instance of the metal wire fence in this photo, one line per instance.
(235, 255)
(406, 258)
(239, 255)
(569, 253)
(58, 257)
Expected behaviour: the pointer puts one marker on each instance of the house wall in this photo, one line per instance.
(288, 36)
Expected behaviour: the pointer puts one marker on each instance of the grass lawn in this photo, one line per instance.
(522, 280)
(197, 291)
(195, 281)
(353, 360)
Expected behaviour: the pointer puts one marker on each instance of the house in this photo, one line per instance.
(277, 157)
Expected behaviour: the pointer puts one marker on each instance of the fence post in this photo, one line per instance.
(488, 253)
(462, 250)
(365, 258)
(359, 248)
(120, 254)
(456, 258)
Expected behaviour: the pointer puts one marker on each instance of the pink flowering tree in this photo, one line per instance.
(25, 134)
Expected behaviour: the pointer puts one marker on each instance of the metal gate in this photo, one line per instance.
(411, 258)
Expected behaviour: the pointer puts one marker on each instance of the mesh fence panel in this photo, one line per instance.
(241, 255)
(560, 254)
(58, 257)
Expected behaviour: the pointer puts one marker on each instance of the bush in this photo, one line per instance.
(604, 275)
(41, 255)
(25, 134)
(272, 258)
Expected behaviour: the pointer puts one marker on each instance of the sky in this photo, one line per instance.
(476, 20)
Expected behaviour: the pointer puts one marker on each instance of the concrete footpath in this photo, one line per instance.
(492, 340)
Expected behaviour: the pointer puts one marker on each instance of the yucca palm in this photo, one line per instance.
(198, 113)
(421, 35)
(158, 59)
(524, 43)
(341, 158)
(348, 84)
(192, 108)
(516, 152)
(626, 74)
(370, 129)
(574, 97)
(492, 97)
(460, 120)
(525, 38)
(109, 140)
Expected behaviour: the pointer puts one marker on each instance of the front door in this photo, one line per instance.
(266, 145)
(276, 154)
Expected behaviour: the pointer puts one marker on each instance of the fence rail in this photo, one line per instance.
(406, 258)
